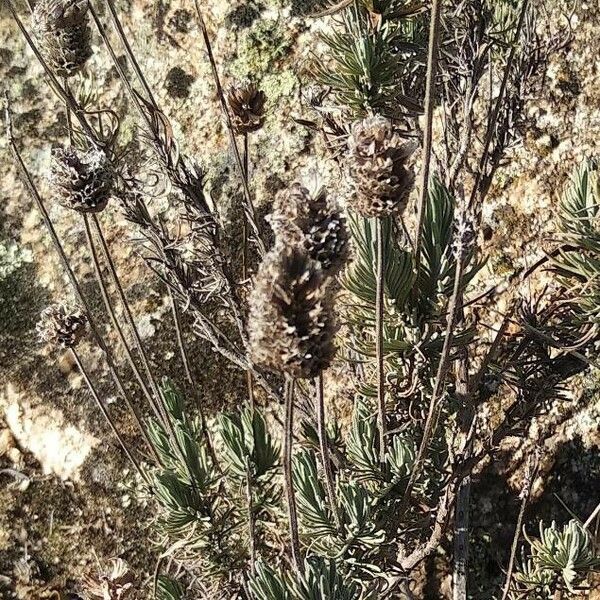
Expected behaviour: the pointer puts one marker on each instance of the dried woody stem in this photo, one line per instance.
(33, 192)
(325, 457)
(115, 322)
(107, 416)
(530, 476)
(249, 209)
(288, 438)
(454, 307)
(432, 64)
(379, 350)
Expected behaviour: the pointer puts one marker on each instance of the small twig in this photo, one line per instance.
(325, 458)
(379, 351)
(432, 64)
(525, 495)
(288, 439)
(107, 416)
(249, 209)
(591, 518)
(251, 518)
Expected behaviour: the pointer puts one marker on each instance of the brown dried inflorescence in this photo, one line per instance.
(314, 221)
(62, 31)
(247, 105)
(377, 166)
(291, 324)
(60, 327)
(82, 181)
(116, 584)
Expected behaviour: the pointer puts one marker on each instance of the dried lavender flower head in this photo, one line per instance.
(314, 220)
(117, 583)
(61, 327)
(377, 167)
(63, 34)
(82, 181)
(291, 325)
(247, 105)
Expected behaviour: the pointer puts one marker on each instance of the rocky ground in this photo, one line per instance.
(60, 508)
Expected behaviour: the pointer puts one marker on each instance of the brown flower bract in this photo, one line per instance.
(60, 327)
(82, 181)
(63, 34)
(377, 167)
(301, 217)
(291, 322)
(247, 105)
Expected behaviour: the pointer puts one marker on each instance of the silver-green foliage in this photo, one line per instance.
(559, 557)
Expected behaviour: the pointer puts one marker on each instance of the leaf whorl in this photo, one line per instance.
(82, 181)
(377, 167)
(314, 221)
(291, 323)
(63, 34)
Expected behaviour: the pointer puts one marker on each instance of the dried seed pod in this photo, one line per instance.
(247, 105)
(291, 321)
(63, 34)
(377, 167)
(115, 584)
(313, 220)
(60, 327)
(82, 181)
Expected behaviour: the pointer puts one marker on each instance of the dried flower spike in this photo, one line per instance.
(291, 322)
(247, 105)
(82, 181)
(377, 167)
(116, 584)
(63, 34)
(313, 220)
(60, 327)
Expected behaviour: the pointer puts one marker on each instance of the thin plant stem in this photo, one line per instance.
(33, 192)
(54, 82)
(246, 157)
(251, 519)
(432, 66)
(107, 416)
(591, 518)
(115, 322)
(325, 457)
(192, 384)
(158, 405)
(130, 54)
(461, 540)
(128, 315)
(249, 208)
(379, 316)
(288, 439)
(430, 426)
(525, 495)
(493, 117)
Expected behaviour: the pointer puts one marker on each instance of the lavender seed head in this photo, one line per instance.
(115, 584)
(247, 105)
(377, 167)
(62, 31)
(82, 181)
(291, 325)
(61, 327)
(314, 221)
